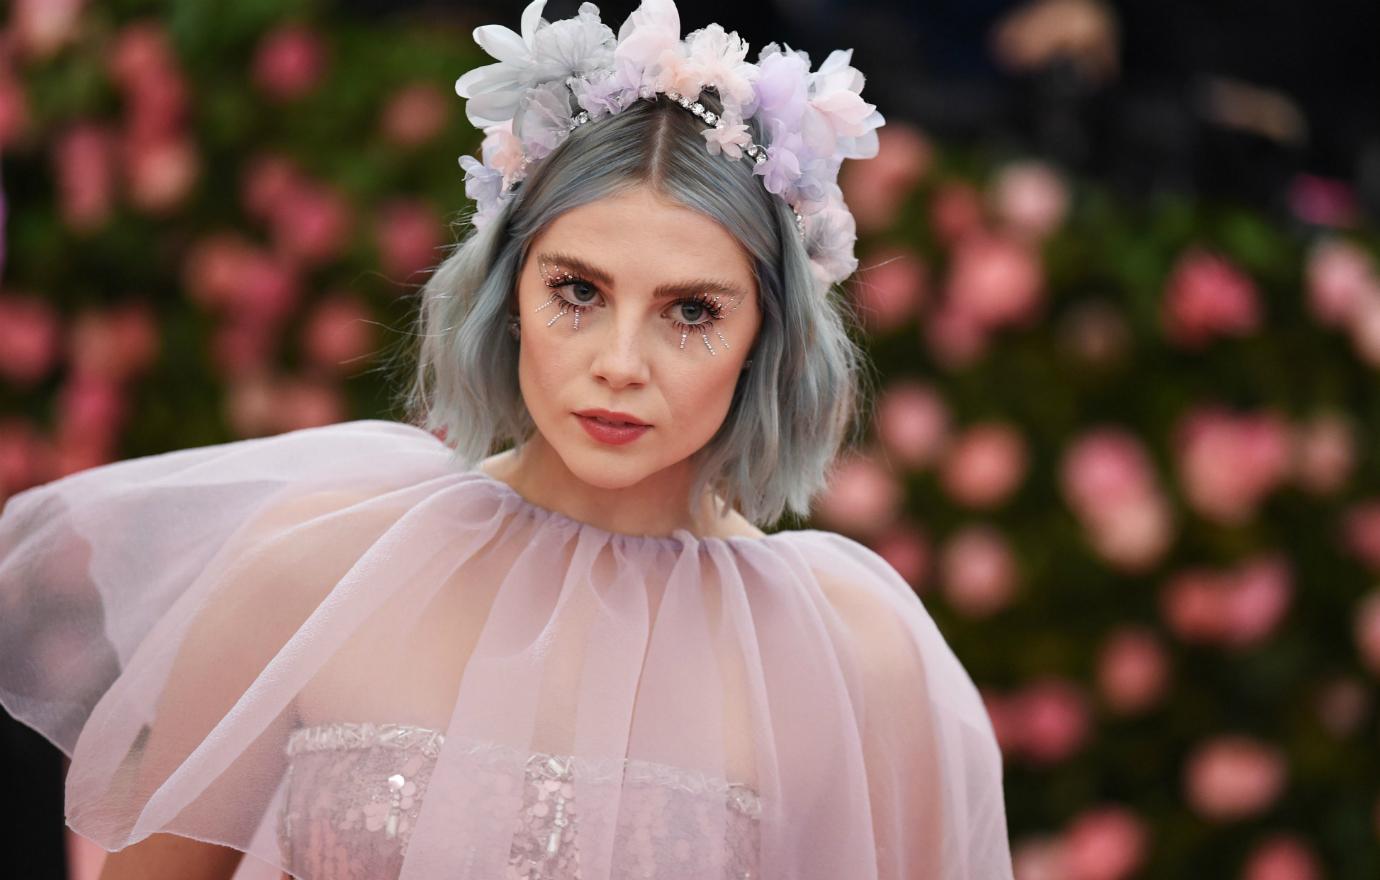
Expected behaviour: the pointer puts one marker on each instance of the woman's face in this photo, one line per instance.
(636, 305)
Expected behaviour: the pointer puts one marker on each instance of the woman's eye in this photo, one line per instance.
(692, 312)
(582, 293)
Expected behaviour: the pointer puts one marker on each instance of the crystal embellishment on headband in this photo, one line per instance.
(554, 77)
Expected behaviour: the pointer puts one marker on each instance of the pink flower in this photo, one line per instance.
(415, 114)
(1367, 629)
(1233, 777)
(303, 403)
(267, 289)
(1206, 297)
(1108, 480)
(161, 172)
(409, 237)
(1055, 719)
(978, 571)
(876, 188)
(1361, 532)
(14, 110)
(995, 280)
(1324, 452)
(955, 212)
(25, 460)
(905, 548)
(1282, 857)
(913, 423)
(862, 497)
(1322, 201)
(311, 223)
(1343, 704)
(249, 405)
(41, 27)
(1031, 197)
(268, 180)
(730, 138)
(290, 62)
(1194, 605)
(28, 339)
(984, 465)
(890, 288)
(84, 157)
(1040, 857)
(955, 337)
(1105, 843)
(213, 267)
(1132, 670)
(140, 52)
(1340, 275)
(1003, 710)
(91, 412)
(114, 344)
(1237, 608)
(1228, 462)
(242, 348)
(339, 334)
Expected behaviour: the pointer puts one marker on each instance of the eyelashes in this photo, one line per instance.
(710, 305)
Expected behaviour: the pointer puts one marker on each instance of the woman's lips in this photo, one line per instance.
(612, 434)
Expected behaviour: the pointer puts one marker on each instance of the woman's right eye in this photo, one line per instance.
(582, 293)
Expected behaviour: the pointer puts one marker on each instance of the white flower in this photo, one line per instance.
(649, 50)
(716, 59)
(729, 137)
(835, 99)
(542, 121)
(484, 185)
(544, 52)
(830, 234)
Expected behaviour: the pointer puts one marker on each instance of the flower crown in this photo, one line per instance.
(556, 76)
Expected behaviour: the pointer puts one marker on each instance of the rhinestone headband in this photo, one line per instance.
(555, 77)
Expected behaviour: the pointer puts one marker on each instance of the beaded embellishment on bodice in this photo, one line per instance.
(355, 791)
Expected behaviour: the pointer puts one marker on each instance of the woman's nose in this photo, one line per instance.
(619, 356)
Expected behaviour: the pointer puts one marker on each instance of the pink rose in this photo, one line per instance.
(161, 173)
(267, 289)
(1342, 705)
(1056, 720)
(862, 497)
(1040, 857)
(249, 404)
(1282, 857)
(29, 332)
(41, 27)
(1233, 777)
(14, 111)
(1105, 843)
(1031, 197)
(984, 465)
(311, 223)
(978, 571)
(25, 459)
(1339, 276)
(1109, 482)
(1206, 297)
(91, 412)
(290, 62)
(242, 347)
(1364, 329)
(955, 211)
(304, 403)
(1367, 629)
(913, 423)
(875, 189)
(1194, 605)
(1229, 462)
(213, 266)
(415, 114)
(1324, 452)
(409, 237)
(339, 334)
(114, 344)
(997, 281)
(955, 338)
(1258, 597)
(1003, 710)
(889, 289)
(905, 548)
(267, 181)
(84, 160)
(1132, 670)
(1361, 532)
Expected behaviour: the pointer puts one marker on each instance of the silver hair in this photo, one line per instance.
(792, 407)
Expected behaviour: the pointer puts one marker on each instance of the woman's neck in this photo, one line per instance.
(649, 507)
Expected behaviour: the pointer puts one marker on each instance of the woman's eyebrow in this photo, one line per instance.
(590, 272)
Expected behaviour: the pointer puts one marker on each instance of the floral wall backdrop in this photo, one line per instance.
(1125, 451)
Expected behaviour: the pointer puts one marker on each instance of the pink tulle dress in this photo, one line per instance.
(344, 654)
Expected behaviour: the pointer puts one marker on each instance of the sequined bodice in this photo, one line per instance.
(355, 791)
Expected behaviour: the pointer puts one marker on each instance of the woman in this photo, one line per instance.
(363, 651)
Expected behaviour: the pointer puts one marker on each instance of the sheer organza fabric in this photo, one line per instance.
(343, 654)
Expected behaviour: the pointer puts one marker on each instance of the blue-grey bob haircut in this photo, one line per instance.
(793, 406)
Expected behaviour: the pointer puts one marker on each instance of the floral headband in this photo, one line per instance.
(556, 76)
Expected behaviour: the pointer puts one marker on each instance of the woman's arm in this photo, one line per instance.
(170, 857)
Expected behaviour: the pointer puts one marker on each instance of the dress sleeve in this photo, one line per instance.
(934, 769)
